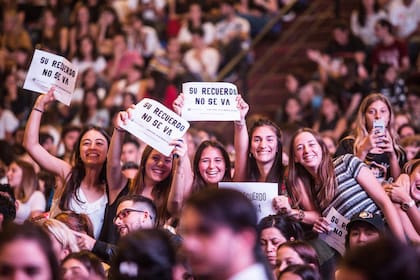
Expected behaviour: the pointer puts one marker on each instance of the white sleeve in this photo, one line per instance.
(37, 201)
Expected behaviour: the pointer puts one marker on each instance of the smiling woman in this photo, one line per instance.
(84, 182)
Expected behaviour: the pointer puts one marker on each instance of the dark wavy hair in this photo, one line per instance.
(288, 227)
(160, 192)
(199, 183)
(78, 172)
(305, 251)
(146, 254)
(90, 261)
(275, 174)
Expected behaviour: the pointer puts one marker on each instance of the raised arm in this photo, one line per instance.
(369, 183)
(241, 141)
(182, 180)
(115, 178)
(182, 177)
(31, 139)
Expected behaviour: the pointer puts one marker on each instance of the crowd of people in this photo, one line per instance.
(81, 198)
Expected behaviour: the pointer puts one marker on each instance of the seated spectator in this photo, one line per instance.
(344, 44)
(109, 26)
(330, 121)
(8, 123)
(22, 178)
(391, 260)
(406, 130)
(299, 272)
(27, 245)
(389, 49)
(258, 13)
(142, 38)
(91, 111)
(411, 145)
(82, 265)
(232, 35)
(69, 136)
(196, 19)
(405, 16)
(296, 252)
(363, 228)
(51, 36)
(275, 230)
(81, 25)
(7, 209)
(144, 254)
(63, 239)
(363, 21)
(121, 58)
(87, 56)
(389, 83)
(201, 61)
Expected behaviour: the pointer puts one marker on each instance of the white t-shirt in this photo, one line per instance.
(36, 202)
(209, 30)
(8, 123)
(95, 210)
(403, 17)
(210, 58)
(366, 33)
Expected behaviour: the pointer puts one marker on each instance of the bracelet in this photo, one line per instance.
(119, 129)
(239, 123)
(38, 110)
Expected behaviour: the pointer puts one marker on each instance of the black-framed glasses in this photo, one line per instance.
(125, 212)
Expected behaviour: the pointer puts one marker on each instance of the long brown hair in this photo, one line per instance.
(326, 175)
(29, 183)
(361, 130)
(160, 191)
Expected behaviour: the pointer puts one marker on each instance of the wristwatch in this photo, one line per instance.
(407, 205)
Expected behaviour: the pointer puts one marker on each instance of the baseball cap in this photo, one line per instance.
(373, 219)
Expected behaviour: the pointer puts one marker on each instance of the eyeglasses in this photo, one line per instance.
(125, 212)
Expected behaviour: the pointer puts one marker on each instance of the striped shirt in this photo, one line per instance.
(350, 198)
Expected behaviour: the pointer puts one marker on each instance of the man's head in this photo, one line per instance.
(134, 212)
(130, 151)
(7, 210)
(219, 232)
(364, 228)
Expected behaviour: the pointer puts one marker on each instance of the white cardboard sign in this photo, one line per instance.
(337, 236)
(156, 125)
(50, 70)
(260, 194)
(210, 101)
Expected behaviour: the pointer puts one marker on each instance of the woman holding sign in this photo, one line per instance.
(259, 153)
(83, 186)
(157, 172)
(316, 184)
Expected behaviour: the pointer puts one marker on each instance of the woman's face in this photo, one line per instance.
(24, 259)
(73, 269)
(93, 148)
(415, 184)
(158, 167)
(83, 15)
(287, 256)
(330, 145)
(91, 100)
(292, 107)
(307, 151)
(212, 165)
(328, 107)
(86, 46)
(264, 144)
(271, 238)
(375, 111)
(14, 175)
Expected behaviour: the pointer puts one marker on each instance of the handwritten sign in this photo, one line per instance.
(49, 70)
(337, 236)
(260, 194)
(156, 125)
(210, 101)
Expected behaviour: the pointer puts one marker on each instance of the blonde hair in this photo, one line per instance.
(61, 232)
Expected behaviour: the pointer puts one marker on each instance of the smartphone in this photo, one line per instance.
(378, 126)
